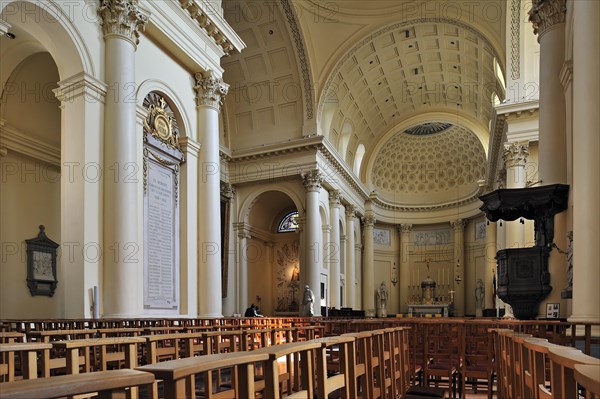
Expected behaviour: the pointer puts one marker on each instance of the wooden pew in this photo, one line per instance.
(273, 378)
(588, 376)
(341, 380)
(361, 375)
(562, 365)
(178, 376)
(28, 351)
(55, 359)
(128, 345)
(108, 384)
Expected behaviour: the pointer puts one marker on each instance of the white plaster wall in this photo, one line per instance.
(29, 197)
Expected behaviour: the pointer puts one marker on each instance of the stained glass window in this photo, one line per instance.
(288, 223)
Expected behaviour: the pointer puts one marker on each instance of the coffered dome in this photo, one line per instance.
(429, 163)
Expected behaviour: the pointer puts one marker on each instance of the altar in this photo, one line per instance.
(444, 309)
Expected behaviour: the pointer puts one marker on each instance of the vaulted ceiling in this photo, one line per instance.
(362, 72)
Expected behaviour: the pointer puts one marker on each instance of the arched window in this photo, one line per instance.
(346, 133)
(288, 223)
(499, 74)
(358, 158)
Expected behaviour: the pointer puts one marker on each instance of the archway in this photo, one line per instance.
(31, 189)
(272, 255)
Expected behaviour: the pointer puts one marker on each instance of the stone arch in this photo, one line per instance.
(248, 203)
(54, 30)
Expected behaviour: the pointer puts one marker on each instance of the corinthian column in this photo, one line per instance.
(548, 18)
(314, 245)
(459, 266)
(334, 249)
(515, 157)
(368, 267)
(350, 258)
(210, 91)
(404, 231)
(122, 21)
(586, 164)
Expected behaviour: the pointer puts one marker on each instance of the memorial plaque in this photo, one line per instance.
(161, 232)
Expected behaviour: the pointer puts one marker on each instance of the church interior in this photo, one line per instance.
(423, 170)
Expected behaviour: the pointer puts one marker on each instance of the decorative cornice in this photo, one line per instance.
(544, 14)
(124, 18)
(515, 39)
(381, 203)
(335, 199)
(81, 84)
(11, 139)
(338, 169)
(369, 221)
(312, 181)
(292, 21)
(210, 90)
(210, 22)
(515, 154)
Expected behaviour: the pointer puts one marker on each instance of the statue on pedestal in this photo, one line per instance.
(382, 297)
(308, 302)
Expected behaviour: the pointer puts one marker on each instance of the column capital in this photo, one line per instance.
(227, 190)
(458, 225)
(123, 18)
(546, 13)
(404, 228)
(350, 211)
(335, 199)
(210, 90)
(312, 181)
(515, 154)
(369, 220)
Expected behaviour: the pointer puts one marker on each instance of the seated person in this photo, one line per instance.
(251, 311)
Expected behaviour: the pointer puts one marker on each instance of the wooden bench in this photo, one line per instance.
(28, 351)
(588, 376)
(562, 376)
(302, 374)
(108, 384)
(127, 350)
(340, 380)
(178, 376)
